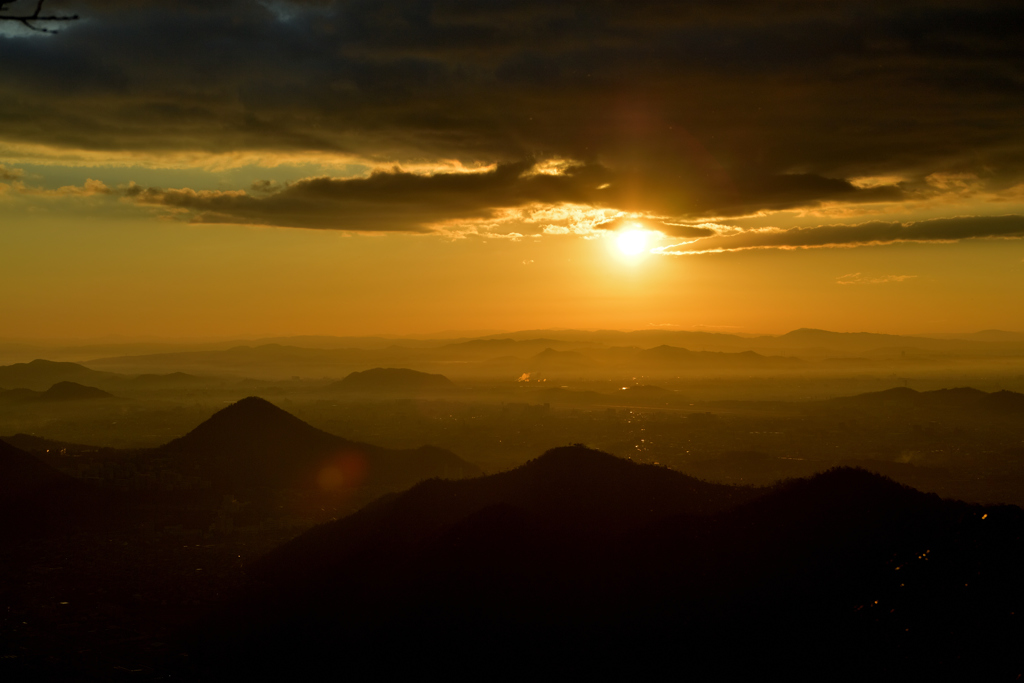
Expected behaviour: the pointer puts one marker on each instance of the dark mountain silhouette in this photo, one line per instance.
(581, 562)
(574, 488)
(1002, 401)
(252, 444)
(19, 395)
(21, 473)
(859, 341)
(960, 399)
(61, 391)
(32, 443)
(393, 380)
(36, 499)
(41, 374)
(811, 336)
(72, 391)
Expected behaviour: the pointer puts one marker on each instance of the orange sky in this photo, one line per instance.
(335, 168)
(66, 275)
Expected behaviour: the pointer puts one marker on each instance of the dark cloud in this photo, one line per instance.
(935, 230)
(384, 201)
(690, 108)
(403, 201)
(10, 173)
(674, 229)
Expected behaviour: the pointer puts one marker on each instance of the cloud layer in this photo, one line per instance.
(384, 201)
(400, 200)
(675, 109)
(935, 230)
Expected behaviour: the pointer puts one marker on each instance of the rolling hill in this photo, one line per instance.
(579, 562)
(61, 391)
(958, 399)
(392, 380)
(37, 444)
(42, 374)
(73, 391)
(37, 500)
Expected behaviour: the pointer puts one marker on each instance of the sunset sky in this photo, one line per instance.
(187, 169)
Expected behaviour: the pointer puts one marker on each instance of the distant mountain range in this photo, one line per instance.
(801, 339)
(575, 351)
(42, 374)
(578, 561)
(695, 340)
(962, 399)
(393, 380)
(61, 391)
(983, 336)
(967, 400)
(602, 352)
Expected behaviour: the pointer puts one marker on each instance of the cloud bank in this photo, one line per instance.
(680, 110)
(402, 201)
(935, 230)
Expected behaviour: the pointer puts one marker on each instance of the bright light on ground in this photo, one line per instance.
(632, 242)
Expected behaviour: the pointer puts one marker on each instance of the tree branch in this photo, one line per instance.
(28, 19)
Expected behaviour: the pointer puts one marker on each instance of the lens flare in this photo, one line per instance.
(344, 472)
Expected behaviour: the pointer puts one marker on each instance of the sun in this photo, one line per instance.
(632, 242)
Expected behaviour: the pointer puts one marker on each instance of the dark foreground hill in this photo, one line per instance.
(579, 564)
(575, 489)
(36, 444)
(254, 445)
(37, 500)
(393, 380)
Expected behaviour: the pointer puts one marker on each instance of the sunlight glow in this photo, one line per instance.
(632, 242)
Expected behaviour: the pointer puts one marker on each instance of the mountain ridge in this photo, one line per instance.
(41, 374)
(392, 380)
(254, 444)
(796, 577)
